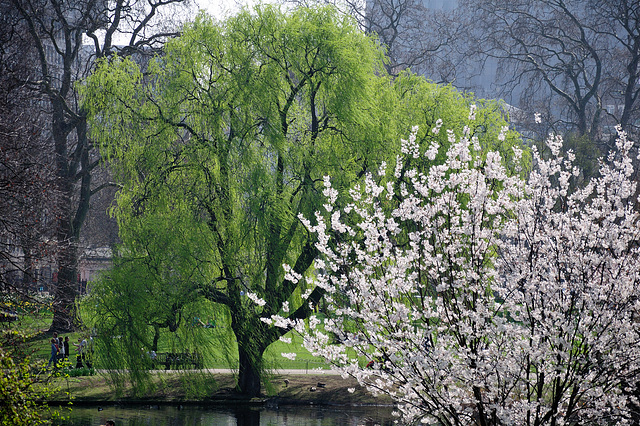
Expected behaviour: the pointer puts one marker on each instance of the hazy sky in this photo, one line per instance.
(217, 8)
(222, 8)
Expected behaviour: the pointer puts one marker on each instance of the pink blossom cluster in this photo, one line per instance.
(471, 295)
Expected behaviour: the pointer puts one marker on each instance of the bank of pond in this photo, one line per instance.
(227, 415)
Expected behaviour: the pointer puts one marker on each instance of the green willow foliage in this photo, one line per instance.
(219, 146)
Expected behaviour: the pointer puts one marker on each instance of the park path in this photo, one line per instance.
(280, 372)
(310, 371)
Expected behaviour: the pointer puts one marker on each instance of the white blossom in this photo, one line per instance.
(503, 133)
(256, 299)
(481, 289)
(451, 137)
(432, 151)
(382, 170)
(281, 322)
(306, 294)
(329, 192)
(290, 274)
(436, 129)
(472, 112)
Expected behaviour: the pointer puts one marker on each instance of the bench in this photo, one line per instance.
(178, 360)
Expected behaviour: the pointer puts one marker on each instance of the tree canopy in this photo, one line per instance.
(221, 146)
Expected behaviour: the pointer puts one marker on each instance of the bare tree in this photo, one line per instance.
(417, 36)
(57, 32)
(28, 199)
(575, 61)
(546, 51)
(621, 25)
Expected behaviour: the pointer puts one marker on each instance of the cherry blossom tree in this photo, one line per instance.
(472, 294)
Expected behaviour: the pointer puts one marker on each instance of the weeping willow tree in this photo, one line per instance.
(220, 147)
(151, 300)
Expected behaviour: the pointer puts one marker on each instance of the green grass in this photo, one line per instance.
(34, 326)
(219, 355)
(303, 361)
(219, 349)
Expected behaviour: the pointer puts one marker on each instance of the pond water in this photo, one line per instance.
(147, 415)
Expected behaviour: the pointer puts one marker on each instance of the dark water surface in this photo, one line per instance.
(146, 415)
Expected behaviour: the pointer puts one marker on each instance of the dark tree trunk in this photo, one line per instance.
(65, 317)
(28, 275)
(248, 371)
(156, 337)
(64, 309)
(252, 341)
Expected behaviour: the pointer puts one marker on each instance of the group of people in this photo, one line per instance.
(60, 351)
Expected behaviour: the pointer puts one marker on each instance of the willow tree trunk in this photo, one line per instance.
(252, 340)
(249, 372)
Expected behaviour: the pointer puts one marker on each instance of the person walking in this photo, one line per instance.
(66, 347)
(80, 346)
(61, 351)
(54, 353)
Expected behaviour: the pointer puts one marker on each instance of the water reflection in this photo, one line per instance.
(229, 416)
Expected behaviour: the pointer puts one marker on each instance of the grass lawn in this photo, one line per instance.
(197, 385)
(219, 355)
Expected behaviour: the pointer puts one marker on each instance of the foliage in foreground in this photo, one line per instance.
(23, 384)
(481, 298)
